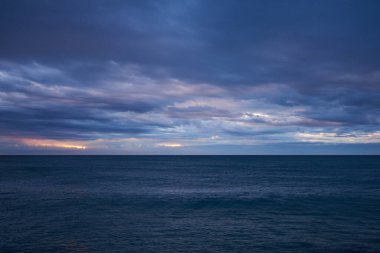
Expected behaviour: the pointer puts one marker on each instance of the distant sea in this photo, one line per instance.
(189, 204)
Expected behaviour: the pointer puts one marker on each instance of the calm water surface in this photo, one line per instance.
(189, 204)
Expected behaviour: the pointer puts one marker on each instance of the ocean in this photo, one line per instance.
(189, 204)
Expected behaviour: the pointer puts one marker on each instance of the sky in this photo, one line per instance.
(189, 77)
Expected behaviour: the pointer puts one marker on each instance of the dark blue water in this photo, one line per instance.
(190, 204)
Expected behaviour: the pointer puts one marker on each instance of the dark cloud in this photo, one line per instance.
(188, 69)
(227, 42)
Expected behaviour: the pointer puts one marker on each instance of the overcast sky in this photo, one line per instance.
(189, 77)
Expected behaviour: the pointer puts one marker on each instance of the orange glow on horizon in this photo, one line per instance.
(46, 143)
(170, 145)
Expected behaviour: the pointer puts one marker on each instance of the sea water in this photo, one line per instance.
(189, 204)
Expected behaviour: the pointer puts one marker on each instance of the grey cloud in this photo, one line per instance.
(90, 69)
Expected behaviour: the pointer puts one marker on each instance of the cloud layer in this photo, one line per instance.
(189, 77)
